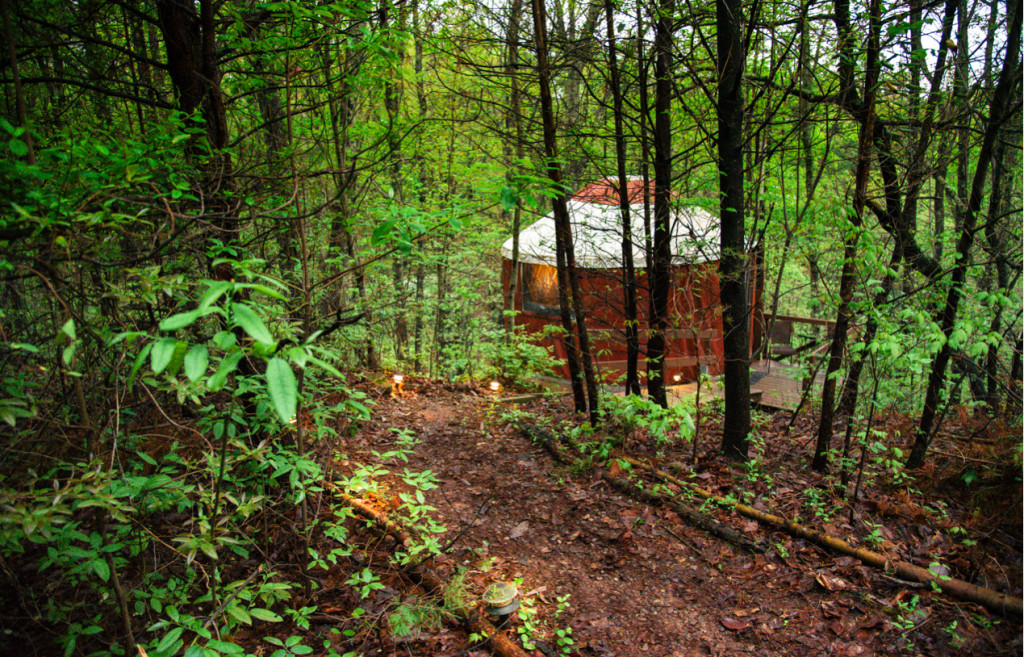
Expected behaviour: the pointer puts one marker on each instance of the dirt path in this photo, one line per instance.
(640, 582)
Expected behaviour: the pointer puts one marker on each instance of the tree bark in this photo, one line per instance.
(513, 125)
(733, 292)
(661, 270)
(563, 228)
(856, 218)
(1008, 79)
(629, 286)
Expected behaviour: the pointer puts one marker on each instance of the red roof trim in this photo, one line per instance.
(603, 191)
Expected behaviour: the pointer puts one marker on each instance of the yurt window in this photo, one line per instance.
(540, 289)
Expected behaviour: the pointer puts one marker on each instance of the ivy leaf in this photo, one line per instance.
(251, 323)
(283, 389)
(196, 361)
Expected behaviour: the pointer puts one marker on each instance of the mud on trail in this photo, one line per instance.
(636, 579)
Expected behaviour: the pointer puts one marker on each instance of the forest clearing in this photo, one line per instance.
(549, 328)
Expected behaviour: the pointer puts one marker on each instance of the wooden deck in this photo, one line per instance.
(773, 384)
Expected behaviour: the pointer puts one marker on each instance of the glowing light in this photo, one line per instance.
(398, 378)
(677, 378)
(495, 386)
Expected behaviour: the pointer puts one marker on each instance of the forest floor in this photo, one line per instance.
(633, 579)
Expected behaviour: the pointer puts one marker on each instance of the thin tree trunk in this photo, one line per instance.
(856, 218)
(563, 229)
(513, 124)
(997, 115)
(628, 272)
(661, 272)
(733, 291)
(19, 92)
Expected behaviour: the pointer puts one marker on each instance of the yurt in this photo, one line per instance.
(694, 341)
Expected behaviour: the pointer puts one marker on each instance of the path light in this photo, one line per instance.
(397, 383)
(495, 387)
(500, 598)
(677, 377)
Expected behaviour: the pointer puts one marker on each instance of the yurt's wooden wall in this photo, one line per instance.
(695, 337)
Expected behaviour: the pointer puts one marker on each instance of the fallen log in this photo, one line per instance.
(695, 518)
(994, 601)
(429, 579)
(700, 520)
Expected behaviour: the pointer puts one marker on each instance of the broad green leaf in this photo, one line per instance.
(224, 648)
(327, 366)
(224, 339)
(196, 361)
(163, 352)
(18, 147)
(68, 354)
(227, 366)
(139, 360)
(251, 323)
(270, 292)
(69, 329)
(214, 292)
(181, 320)
(239, 614)
(169, 641)
(99, 566)
(508, 199)
(265, 615)
(283, 389)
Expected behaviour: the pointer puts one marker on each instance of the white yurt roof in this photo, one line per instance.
(597, 236)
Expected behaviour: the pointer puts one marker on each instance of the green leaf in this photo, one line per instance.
(214, 292)
(18, 147)
(239, 614)
(181, 320)
(224, 648)
(227, 366)
(170, 640)
(508, 199)
(265, 615)
(251, 323)
(196, 361)
(99, 566)
(139, 360)
(163, 352)
(283, 389)
(224, 339)
(69, 329)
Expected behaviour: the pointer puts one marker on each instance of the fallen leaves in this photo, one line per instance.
(519, 530)
(733, 624)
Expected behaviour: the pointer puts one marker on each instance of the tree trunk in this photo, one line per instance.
(733, 291)
(628, 272)
(848, 276)
(513, 126)
(661, 271)
(19, 92)
(997, 115)
(563, 229)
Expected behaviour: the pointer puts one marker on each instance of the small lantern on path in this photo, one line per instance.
(501, 601)
(397, 383)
